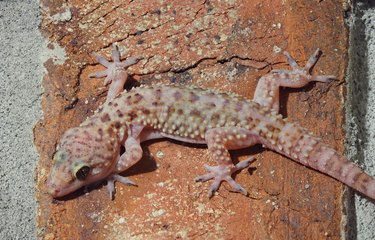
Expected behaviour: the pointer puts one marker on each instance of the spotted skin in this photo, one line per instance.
(222, 121)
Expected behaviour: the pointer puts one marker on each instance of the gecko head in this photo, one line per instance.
(81, 159)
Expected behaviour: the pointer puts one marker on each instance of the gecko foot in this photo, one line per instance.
(224, 173)
(304, 71)
(113, 68)
(111, 183)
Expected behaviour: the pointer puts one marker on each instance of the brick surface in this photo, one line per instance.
(226, 45)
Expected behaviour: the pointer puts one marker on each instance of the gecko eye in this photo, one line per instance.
(81, 171)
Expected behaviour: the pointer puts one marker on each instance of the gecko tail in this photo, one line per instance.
(330, 162)
(298, 144)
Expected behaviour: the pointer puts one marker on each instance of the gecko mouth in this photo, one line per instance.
(57, 190)
(53, 190)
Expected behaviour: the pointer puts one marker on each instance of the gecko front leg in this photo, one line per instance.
(219, 141)
(133, 153)
(137, 133)
(267, 91)
(115, 73)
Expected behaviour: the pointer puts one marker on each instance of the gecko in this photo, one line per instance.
(222, 121)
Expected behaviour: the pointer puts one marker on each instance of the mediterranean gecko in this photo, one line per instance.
(222, 121)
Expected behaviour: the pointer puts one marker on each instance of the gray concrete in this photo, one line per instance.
(20, 90)
(360, 118)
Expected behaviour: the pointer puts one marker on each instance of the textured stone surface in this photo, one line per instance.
(20, 93)
(220, 44)
(361, 111)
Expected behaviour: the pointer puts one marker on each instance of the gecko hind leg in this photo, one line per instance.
(300, 76)
(219, 140)
(222, 173)
(115, 73)
(267, 90)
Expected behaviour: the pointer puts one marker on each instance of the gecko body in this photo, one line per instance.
(222, 121)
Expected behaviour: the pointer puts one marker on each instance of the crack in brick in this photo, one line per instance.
(105, 14)
(110, 11)
(198, 62)
(95, 8)
(107, 27)
(219, 61)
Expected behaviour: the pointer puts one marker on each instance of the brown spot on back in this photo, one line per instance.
(177, 96)
(211, 105)
(238, 106)
(257, 121)
(100, 132)
(146, 111)
(215, 118)
(226, 102)
(211, 94)
(180, 111)
(132, 115)
(158, 94)
(128, 100)
(110, 131)
(299, 131)
(137, 98)
(84, 143)
(270, 128)
(119, 113)
(195, 112)
(234, 120)
(171, 110)
(90, 124)
(117, 124)
(105, 118)
(193, 97)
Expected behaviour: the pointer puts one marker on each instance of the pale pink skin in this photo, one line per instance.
(190, 114)
(115, 73)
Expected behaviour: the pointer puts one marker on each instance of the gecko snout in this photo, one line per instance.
(52, 189)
